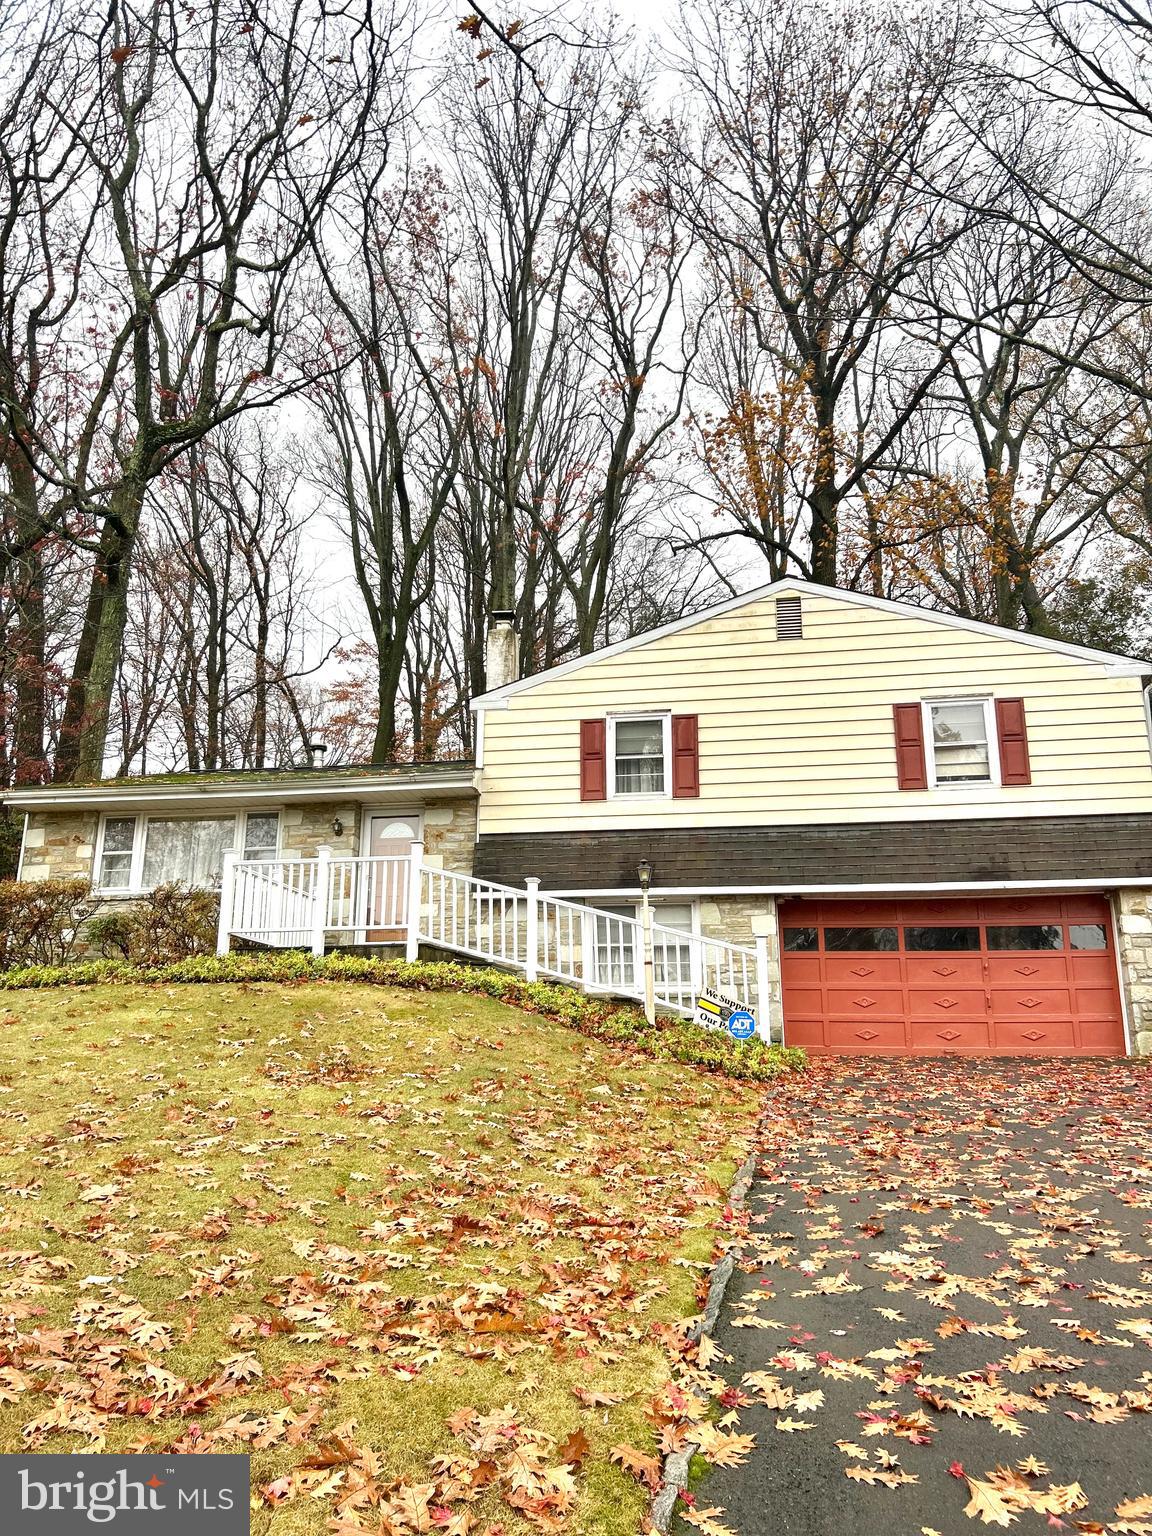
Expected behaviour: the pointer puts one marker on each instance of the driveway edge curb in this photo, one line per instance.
(674, 1475)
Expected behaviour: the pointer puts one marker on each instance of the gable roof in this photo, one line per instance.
(1126, 666)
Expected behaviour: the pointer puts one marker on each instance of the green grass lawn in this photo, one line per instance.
(414, 1252)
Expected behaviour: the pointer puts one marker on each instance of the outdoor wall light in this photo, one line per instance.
(337, 826)
(644, 874)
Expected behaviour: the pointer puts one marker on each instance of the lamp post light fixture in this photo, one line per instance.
(644, 876)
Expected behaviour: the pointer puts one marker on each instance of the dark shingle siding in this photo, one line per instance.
(873, 853)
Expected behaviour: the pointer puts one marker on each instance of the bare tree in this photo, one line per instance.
(815, 183)
(209, 145)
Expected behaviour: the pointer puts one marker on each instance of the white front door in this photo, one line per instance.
(388, 836)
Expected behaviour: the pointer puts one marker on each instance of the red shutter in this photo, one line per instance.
(685, 756)
(911, 771)
(593, 760)
(1012, 734)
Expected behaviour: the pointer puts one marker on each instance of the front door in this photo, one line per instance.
(388, 838)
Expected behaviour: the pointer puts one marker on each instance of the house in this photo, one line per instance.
(919, 832)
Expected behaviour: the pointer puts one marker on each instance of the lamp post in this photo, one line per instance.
(644, 875)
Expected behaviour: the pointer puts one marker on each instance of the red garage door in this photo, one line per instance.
(997, 976)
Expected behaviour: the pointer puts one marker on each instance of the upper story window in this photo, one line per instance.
(138, 853)
(638, 749)
(959, 733)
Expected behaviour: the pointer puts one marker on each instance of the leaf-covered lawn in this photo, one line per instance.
(418, 1254)
(944, 1320)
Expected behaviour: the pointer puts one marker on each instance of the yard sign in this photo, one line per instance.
(714, 1009)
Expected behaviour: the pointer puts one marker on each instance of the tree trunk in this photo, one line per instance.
(90, 697)
(26, 582)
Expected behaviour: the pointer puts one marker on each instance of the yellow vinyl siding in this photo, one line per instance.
(801, 730)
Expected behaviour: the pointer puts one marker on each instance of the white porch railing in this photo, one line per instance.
(312, 903)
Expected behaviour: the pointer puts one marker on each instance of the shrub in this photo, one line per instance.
(111, 934)
(669, 1039)
(40, 920)
(173, 923)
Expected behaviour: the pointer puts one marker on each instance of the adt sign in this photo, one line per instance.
(741, 1024)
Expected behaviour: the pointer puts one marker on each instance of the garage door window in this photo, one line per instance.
(942, 938)
(801, 939)
(1026, 936)
(859, 938)
(1087, 936)
(938, 938)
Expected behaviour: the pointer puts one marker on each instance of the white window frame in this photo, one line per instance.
(960, 786)
(136, 886)
(665, 719)
(241, 837)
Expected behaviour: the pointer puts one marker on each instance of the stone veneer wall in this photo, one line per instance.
(450, 834)
(307, 826)
(1134, 926)
(59, 845)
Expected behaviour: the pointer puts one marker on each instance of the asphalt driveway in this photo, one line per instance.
(944, 1315)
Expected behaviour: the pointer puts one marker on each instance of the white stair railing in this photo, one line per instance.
(301, 902)
(547, 936)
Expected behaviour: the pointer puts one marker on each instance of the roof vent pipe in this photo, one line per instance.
(316, 751)
(501, 659)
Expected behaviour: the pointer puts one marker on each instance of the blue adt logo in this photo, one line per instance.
(741, 1024)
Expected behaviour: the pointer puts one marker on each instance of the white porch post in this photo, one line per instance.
(764, 927)
(415, 868)
(532, 936)
(227, 901)
(320, 897)
(763, 987)
(649, 959)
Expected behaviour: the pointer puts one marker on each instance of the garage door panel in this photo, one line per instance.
(945, 971)
(1020, 909)
(1033, 974)
(1087, 908)
(809, 1033)
(1098, 1035)
(1051, 1002)
(956, 1003)
(1028, 970)
(858, 1003)
(856, 970)
(806, 1003)
(801, 970)
(1041, 1035)
(1093, 970)
(953, 1035)
(1095, 1004)
(872, 1035)
(958, 911)
(851, 914)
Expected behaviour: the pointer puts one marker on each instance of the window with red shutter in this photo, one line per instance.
(685, 756)
(911, 767)
(1012, 737)
(593, 759)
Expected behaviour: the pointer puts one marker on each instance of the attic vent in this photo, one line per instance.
(789, 619)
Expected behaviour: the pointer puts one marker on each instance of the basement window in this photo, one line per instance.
(789, 619)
